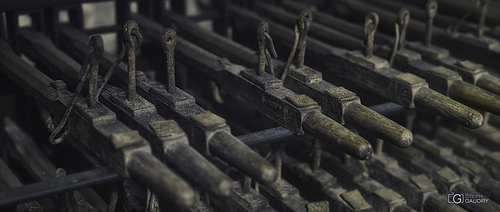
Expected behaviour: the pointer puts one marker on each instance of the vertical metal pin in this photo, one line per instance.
(316, 156)
(430, 12)
(169, 40)
(133, 41)
(278, 162)
(369, 29)
(247, 184)
(265, 44)
(379, 146)
(98, 48)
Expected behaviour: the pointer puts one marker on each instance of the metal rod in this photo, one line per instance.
(383, 128)
(155, 175)
(433, 101)
(229, 149)
(198, 169)
(322, 127)
(489, 83)
(55, 186)
(475, 96)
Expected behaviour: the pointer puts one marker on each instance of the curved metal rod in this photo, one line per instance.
(403, 20)
(371, 24)
(85, 70)
(265, 44)
(401, 24)
(301, 29)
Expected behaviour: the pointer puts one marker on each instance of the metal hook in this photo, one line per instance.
(98, 45)
(371, 24)
(430, 12)
(169, 40)
(265, 44)
(133, 41)
(301, 29)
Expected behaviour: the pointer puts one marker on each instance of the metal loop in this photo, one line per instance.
(370, 27)
(132, 35)
(431, 9)
(266, 49)
(169, 40)
(97, 44)
(304, 20)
